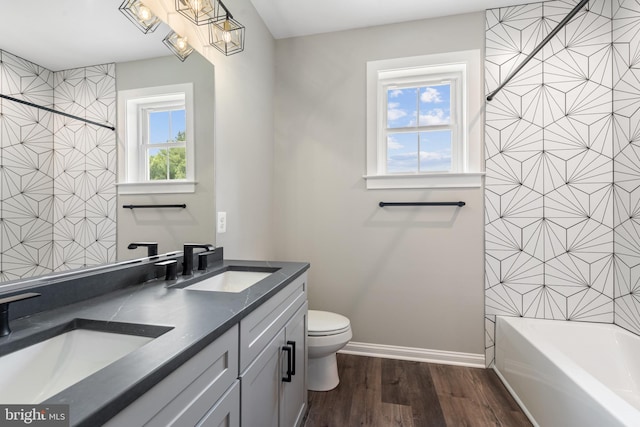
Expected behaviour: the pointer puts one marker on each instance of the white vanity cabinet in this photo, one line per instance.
(273, 343)
(204, 390)
(238, 379)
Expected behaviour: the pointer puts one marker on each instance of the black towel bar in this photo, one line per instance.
(182, 206)
(383, 204)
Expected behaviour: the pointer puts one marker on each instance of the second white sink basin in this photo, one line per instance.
(35, 373)
(229, 281)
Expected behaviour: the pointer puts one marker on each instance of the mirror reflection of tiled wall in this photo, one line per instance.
(57, 196)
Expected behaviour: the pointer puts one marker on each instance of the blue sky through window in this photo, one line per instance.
(165, 125)
(419, 151)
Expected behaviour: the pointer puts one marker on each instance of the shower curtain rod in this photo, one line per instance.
(538, 48)
(51, 110)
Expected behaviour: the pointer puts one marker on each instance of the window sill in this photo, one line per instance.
(160, 187)
(435, 180)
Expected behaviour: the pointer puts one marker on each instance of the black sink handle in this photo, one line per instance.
(171, 268)
(4, 310)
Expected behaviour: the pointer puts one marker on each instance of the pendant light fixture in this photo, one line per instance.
(178, 45)
(199, 12)
(226, 34)
(140, 15)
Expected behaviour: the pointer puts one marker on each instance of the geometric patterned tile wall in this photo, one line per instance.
(84, 169)
(626, 68)
(34, 190)
(549, 192)
(26, 150)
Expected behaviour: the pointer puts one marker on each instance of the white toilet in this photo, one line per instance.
(327, 333)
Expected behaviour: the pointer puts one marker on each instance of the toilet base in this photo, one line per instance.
(322, 374)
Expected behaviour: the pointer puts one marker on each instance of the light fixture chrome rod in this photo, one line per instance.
(538, 48)
(51, 110)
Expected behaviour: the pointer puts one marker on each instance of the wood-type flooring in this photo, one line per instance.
(386, 392)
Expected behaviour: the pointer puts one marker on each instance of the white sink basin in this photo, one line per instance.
(35, 373)
(229, 281)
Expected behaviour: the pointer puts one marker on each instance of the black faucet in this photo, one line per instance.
(4, 310)
(187, 253)
(152, 247)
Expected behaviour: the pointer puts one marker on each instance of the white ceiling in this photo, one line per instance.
(291, 18)
(63, 34)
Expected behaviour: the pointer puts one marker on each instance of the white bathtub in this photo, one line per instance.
(570, 373)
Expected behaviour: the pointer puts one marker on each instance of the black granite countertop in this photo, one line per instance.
(196, 319)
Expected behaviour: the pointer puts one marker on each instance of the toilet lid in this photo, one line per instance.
(326, 323)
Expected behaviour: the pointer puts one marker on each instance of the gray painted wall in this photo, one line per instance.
(244, 139)
(406, 276)
(244, 92)
(173, 227)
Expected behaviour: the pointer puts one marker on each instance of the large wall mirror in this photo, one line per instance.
(60, 208)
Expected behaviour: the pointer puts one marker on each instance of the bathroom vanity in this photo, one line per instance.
(210, 355)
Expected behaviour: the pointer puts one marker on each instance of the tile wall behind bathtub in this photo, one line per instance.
(563, 166)
(57, 190)
(626, 140)
(549, 153)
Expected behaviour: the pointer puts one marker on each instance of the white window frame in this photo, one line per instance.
(463, 68)
(132, 121)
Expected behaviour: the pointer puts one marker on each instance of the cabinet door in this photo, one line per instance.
(260, 387)
(293, 395)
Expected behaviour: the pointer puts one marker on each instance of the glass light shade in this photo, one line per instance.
(140, 15)
(227, 35)
(199, 12)
(178, 45)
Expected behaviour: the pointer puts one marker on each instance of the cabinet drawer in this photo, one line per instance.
(262, 324)
(226, 411)
(186, 395)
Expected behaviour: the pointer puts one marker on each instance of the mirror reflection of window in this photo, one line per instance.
(163, 145)
(158, 140)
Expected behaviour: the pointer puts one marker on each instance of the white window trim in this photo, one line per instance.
(129, 102)
(464, 175)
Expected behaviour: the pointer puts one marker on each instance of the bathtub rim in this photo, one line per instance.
(617, 407)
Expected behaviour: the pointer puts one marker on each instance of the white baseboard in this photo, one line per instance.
(472, 360)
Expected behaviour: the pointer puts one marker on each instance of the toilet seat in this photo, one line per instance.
(324, 323)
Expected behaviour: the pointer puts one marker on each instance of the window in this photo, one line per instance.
(423, 122)
(163, 147)
(158, 140)
(419, 126)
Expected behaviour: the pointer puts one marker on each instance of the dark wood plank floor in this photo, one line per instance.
(386, 392)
